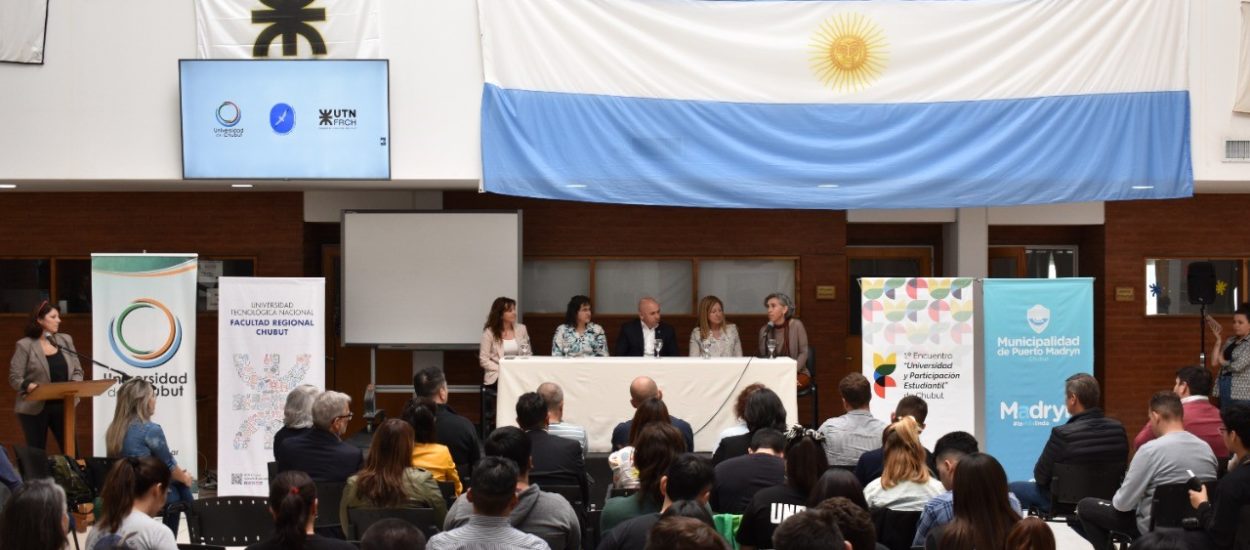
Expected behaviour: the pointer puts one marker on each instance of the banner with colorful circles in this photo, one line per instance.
(918, 339)
(143, 325)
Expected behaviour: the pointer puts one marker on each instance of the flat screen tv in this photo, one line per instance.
(285, 119)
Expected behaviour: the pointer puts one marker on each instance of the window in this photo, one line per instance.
(1167, 286)
(212, 269)
(547, 285)
(619, 284)
(743, 284)
(24, 283)
(73, 285)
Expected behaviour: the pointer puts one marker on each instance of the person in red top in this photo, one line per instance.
(1193, 386)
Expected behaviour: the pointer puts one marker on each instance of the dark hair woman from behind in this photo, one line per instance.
(133, 492)
(293, 503)
(983, 514)
(1031, 534)
(35, 518)
(427, 453)
(657, 446)
(763, 410)
(836, 482)
(388, 479)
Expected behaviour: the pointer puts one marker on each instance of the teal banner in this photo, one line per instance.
(1038, 332)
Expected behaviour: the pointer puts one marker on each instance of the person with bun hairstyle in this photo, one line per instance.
(37, 359)
(427, 453)
(133, 492)
(293, 503)
(805, 462)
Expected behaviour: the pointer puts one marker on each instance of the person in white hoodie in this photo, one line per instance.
(546, 515)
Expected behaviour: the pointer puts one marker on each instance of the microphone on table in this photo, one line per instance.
(49, 335)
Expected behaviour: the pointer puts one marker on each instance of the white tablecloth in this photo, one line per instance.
(596, 390)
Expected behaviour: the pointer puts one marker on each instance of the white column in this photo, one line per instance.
(966, 244)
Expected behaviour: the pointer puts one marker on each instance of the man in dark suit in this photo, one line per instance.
(642, 389)
(637, 337)
(557, 461)
(320, 452)
(454, 431)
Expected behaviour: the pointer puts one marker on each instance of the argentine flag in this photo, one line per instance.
(836, 104)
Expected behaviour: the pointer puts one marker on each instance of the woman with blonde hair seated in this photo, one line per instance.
(905, 484)
(388, 479)
(718, 336)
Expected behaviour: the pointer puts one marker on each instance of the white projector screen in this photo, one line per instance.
(426, 279)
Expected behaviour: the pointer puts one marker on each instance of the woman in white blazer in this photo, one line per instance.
(38, 359)
(502, 337)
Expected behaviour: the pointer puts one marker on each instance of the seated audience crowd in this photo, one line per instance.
(855, 483)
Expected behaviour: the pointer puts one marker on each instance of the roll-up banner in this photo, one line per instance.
(918, 339)
(143, 324)
(271, 338)
(1038, 332)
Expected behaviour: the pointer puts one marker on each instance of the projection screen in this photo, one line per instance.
(23, 28)
(426, 279)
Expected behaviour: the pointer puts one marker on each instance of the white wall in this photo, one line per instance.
(104, 106)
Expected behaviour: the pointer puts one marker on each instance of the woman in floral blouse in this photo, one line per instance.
(578, 337)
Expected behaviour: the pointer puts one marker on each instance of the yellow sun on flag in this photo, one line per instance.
(848, 52)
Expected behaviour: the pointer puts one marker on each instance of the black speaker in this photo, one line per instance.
(1201, 283)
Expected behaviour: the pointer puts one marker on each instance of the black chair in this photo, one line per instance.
(360, 519)
(1241, 541)
(614, 492)
(810, 389)
(895, 529)
(555, 542)
(5, 493)
(1069, 483)
(329, 495)
(187, 546)
(32, 462)
(579, 498)
(1169, 506)
(273, 471)
(97, 470)
(229, 521)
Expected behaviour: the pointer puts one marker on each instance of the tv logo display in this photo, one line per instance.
(337, 119)
(228, 116)
(282, 119)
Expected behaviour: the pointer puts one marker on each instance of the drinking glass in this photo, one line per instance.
(659, 344)
(772, 348)
(524, 351)
(706, 347)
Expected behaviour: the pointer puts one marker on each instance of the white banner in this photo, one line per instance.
(245, 29)
(22, 28)
(143, 324)
(1242, 102)
(919, 340)
(271, 338)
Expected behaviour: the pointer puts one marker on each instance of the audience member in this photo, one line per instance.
(1193, 386)
(557, 461)
(1031, 534)
(689, 479)
(1232, 357)
(578, 337)
(872, 462)
(493, 495)
(951, 448)
(453, 430)
(133, 492)
(983, 516)
(740, 406)
(1089, 437)
(640, 390)
(621, 461)
(545, 515)
(1220, 519)
(764, 410)
(805, 462)
(683, 533)
(388, 479)
(849, 436)
(836, 482)
(658, 445)
(905, 484)
(739, 478)
(787, 333)
(293, 503)
(8, 475)
(132, 433)
(553, 395)
(1167, 459)
(320, 453)
(638, 337)
(852, 519)
(297, 414)
(392, 534)
(713, 332)
(427, 453)
(35, 517)
(810, 530)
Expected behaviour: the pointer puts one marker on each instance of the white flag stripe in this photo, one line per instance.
(352, 29)
(707, 50)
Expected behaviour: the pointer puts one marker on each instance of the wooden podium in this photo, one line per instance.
(68, 392)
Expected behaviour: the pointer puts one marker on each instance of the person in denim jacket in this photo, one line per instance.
(133, 434)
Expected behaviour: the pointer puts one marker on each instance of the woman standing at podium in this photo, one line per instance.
(36, 360)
